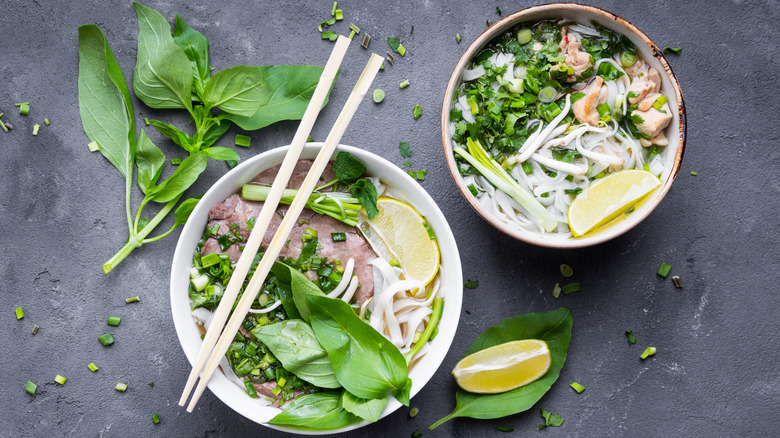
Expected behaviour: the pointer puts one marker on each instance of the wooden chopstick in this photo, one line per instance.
(290, 219)
(266, 213)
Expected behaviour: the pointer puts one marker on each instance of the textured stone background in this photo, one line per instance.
(61, 210)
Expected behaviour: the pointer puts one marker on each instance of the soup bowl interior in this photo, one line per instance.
(188, 331)
(649, 52)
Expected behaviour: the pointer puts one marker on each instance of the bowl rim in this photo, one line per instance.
(226, 390)
(538, 238)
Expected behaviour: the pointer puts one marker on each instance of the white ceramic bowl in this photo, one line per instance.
(187, 330)
(650, 53)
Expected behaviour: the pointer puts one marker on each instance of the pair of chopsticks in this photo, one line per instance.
(217, 340)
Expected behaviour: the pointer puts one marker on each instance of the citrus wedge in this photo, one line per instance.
(402, 232)
(609, 198)
(503, 367)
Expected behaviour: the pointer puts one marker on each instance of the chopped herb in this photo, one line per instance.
(473, 189)
(418, 174)
(571, 287)
(151, 384)
(354, 28)
(488, 23)
(664, 269)
(333, 11)
(332, 36)
(417, 112)
(114, 320)
(303, 220)
(121, 387)
(338, 237)
(413, 412)
(93, 146)
(630, 336)
(694, 173)
(36, 127)
(156, 419)
(566, 270)
(498, 11)
(390, 58)
(677, 281)
(106, 339)
(550, 419)
(243, 140)
(629, 211)
(3, 125)
(174, 162)
(396, 45)
(404, 149)
(471, 284)
(649, 351)
(382, 67)
(146, 121)
(19, 313)
(506, 428)
(92, 367)
(577, 387)
(417, 433)
(378, 95)
(457, 38)
(408, 163)
(231, 163)
(404, 84)
(339, 14)
(59, 379)
(431, 234)
(366, 40)
(676, 50)
(31, 387)
(24, 108)
(35, 330)
(556, 290)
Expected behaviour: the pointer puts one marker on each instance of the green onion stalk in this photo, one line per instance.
(438, 308)
(340, 206)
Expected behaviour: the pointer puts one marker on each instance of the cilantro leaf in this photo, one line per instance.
(347, 167)
(471, 284)
(404, 149)
(630, 336)
(676, 50)
(565, 155)
(418, 174)
(550, 419)
(365, 191)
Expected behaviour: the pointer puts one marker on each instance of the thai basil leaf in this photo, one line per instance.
(369, 410)
(301, 287)
(104, 100)
(215, 132)
(293, 342)
(365, 362)
(196, 48)
(184, 210)
(365, 191)
(554, 328)
(286, 90)
(163, 75)
(174, 133)
(237, 90)
(284, 287)
(149, 159)
(220, 153)
(348, 168)
(184, 176)
(319, 411)
(403, 394)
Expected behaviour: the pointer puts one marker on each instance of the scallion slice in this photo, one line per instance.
(121, 387)
(46, 121)
(413, 412)
(566, 270)
(649, 351)
(571, 287)
(417, 112)
(35, 330)
(93, 146)
(156, 419)
(59, 379)
(664, 269)
(404, 84)
(106, 339)
(457, 38)
(92, 367)
(24, 108)
(134, 299)
(378, 95)
(31, 387)
(548, 94)
(243, 140)
(338, 237)
(114, 320)
(577, 387)
(209, 260)
(19, 313)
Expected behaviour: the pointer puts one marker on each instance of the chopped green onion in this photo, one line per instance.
(649, 351)
(175, 161)
(36, 127)
(19, 313)
(352, 34)
(35, 330)
(548, 94)
(556, 290)
(603, 110)
(566, 270)
(473, 189)
(31, 387)
(3, 125)
(413, 412)
(571, 287)
(627, 59)
(577, 387)
(333, 11)
(92, 367)
(59, 379)
(473, 105)
(457, 38)
(408, 163)
(354, 28)
(24, 108)
(390, 58)
(114, 320)
(146, 121)
(524, 36)
(121, 387)
(404, 84)
(93, 146)
(417, 112)
(365, 41)
(676, 50)
(428, 228)
(243, 140)
(106, 339)
(338, 237)
(209, 260)
(694, 173)
(134, 299)
(156, 419)
(281, 382)
(382, 67)
(339, 14)
(630, 336)
(276, 391)
(471, 284)
(417, 433)
(506, 428)
(677, 281)
(664, 269)
(46, 121)
(309, 234)
(378, 95)
(151, 384)
(333, 36)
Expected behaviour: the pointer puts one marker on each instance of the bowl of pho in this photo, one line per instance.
(563, 125)
(357, 313)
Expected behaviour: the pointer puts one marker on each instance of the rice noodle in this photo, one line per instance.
(345, 279)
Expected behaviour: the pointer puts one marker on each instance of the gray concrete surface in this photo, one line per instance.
(62, 215)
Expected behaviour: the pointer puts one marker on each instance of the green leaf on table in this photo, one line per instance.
(348, 168)
(369, 410)
(184, 176)
(163, 75)
(149, 159)
(550, 419)
(104, 100)
(365, 362)
(293, 342)
(300, 285)
(237, 90)
(174, 133)
(554, 328)
(184, 210)
(196, 48)
(286, 91)
(318, 411)
(215, 132)
(220, 153)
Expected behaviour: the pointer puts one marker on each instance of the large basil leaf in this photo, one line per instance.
(319, 411)
(163, 75)
(554, 328)
(284, 287)
(366, 364)
(174, 133)
(149, 159)
(196, 48)
(369, 410)
(301, 287)
(184, 176)
(104, 100)
(294, 344)
(184, 210)
(220, 153)
(237, 90)
(286, 90)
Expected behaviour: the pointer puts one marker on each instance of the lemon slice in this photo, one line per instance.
(503, 367)
(403, 234)
(608, 198)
